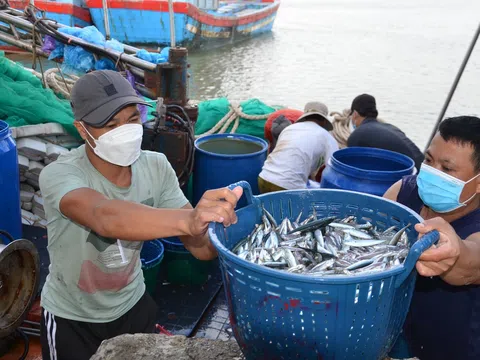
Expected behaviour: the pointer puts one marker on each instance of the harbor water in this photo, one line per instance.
(405, 53)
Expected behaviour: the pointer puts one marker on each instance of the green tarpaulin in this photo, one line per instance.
(212, 111)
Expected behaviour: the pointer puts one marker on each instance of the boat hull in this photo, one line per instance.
(146, 23)
(67, 12)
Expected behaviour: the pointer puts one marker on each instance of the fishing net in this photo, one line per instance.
(24, 101)
(212, 111)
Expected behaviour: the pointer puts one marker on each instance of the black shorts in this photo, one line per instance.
(63, 339)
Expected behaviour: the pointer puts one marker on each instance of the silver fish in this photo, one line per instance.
(275, 264)
(296, 269)
(259, 238)
(396, 238)
(366, 226)
(289, 258)
(389, 230)
(282, 228)
(319, 237)
(270, 218)
(277, 254)
(323, 266)
(341, 225)
(266, 224)
(362, 243)
(299, 217)
(358, 234)
(324, 247)
(359, 264)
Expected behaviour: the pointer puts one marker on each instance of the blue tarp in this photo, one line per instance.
(78, 61)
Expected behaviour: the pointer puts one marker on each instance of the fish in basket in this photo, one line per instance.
(281, 310)
(327, 246)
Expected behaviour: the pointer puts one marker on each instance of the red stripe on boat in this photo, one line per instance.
(54, 7)
(185, 8)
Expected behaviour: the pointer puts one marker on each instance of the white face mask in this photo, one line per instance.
(120, 146)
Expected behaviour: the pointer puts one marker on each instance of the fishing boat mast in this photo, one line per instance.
(172, 23)
(454, 86)
(106, 20)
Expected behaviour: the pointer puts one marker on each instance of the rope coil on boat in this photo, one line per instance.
(4, 4)
(233, 116)
(341, 127)
(56, 81)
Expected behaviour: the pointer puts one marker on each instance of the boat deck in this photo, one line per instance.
(34, 352)
(238, 9)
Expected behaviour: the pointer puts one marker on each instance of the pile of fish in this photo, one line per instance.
(327, 246)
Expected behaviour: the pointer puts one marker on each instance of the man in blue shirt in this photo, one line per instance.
(369, 132)
(444, 318)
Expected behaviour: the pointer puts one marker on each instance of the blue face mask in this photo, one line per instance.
(353, 123)
(440, 191)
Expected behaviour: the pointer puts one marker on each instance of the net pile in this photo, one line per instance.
(25, 101)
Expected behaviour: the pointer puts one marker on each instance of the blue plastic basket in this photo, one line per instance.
(151, 257)
(280, 315)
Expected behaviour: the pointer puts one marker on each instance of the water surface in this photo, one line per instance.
(405, 53)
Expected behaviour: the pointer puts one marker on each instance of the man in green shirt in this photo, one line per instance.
(102, 201)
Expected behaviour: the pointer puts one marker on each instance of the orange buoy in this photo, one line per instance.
(290, 114)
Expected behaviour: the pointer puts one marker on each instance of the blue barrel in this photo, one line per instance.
(366, 170)
(151, 256)
(223, 159)
(10, 217)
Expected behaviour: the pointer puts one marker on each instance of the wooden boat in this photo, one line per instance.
(198, 23)
(146, 22)
(67, 12)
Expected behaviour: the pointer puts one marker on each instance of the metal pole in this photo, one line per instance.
(105, 19)
(172, 23)
(454, 86)
(22, 45)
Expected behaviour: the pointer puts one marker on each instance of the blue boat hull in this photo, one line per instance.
(193, 28)
(146, 23)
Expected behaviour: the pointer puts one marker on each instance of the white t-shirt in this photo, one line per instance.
(301, 149)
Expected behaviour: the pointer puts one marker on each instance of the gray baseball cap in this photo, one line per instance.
(319, 109)
(97, 96)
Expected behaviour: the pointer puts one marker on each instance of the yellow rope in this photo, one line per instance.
(233, 116)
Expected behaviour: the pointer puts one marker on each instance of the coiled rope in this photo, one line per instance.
(55, 80)
(341, 126)
(233, 116)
